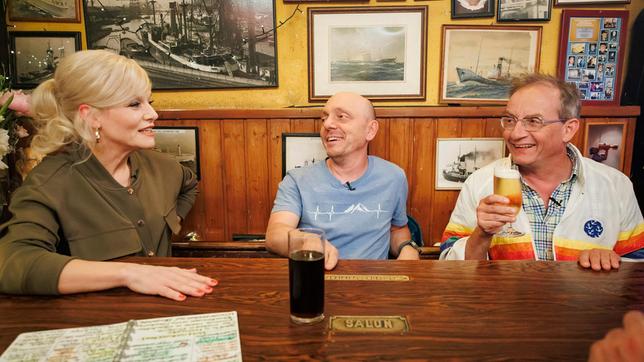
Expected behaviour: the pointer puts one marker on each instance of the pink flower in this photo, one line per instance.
(20, 101)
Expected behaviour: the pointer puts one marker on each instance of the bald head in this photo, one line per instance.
(354, 103)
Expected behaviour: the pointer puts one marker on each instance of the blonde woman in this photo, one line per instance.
(100, 193)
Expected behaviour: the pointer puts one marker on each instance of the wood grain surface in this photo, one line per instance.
(511, 310)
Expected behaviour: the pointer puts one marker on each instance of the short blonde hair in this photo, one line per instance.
(570, 103)
(98, 78)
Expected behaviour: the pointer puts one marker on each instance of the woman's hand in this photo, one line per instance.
(170, 282)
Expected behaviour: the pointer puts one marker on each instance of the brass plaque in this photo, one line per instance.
(369, 324)
(367, 277)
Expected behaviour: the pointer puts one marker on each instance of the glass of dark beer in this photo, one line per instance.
(306, 274)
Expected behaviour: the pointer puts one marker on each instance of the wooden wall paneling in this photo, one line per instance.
(493, 128)
(257, 175)
(400, 146)
(211, 187)
(473, 127)
(379, 146)
(630, 143)
(421, 190)
(305, 125)
(444, 200)
(233, 149)
(317, 125)
(275, 129)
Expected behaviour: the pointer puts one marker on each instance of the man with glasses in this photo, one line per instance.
(573, 208)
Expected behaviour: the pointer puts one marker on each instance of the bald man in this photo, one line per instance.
(358, 200)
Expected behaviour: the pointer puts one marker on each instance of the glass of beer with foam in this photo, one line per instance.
(507, 182)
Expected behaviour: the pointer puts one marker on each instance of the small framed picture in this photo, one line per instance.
(604, 142)
(301, 150)
(596, 40)
(472, 9)
(458, 158)
(379, 52)
(511, 10)
(35, 54)
(65, 11)
(181, 144)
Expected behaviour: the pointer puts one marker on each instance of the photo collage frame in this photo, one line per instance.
(591, 54)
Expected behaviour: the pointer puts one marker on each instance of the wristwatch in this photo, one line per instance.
(410, 243)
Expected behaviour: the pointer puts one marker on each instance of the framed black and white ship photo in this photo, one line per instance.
(66, 11)
(301, 150)
(458, 158)
(190, 44)
(180, 144)
(35, 54)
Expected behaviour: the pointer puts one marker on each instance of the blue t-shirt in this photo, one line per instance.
(357, 222)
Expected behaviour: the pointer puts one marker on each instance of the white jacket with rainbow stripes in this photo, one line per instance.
(602, 213)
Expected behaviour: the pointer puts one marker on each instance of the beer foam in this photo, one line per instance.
(506, 173)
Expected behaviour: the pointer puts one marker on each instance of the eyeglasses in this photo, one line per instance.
(531, 124)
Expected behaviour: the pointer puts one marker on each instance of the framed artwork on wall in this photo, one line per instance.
(472, 9)
(301, 150)
(589, 2)
(605, 141)
(197, 45)
(458, 158)
(534, 10)
(181, 144)
(66, 11)
(479, 61)
(35, 54)
(591, 53)
(378, 52)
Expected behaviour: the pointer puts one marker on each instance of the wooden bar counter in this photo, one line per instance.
(456, 310)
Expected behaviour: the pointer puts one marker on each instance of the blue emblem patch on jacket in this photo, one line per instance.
(593, 228)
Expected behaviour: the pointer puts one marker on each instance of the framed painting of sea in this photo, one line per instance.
(479, 61)
(458, 158)
(66, 11)
(378, 52)
(191, 45)
(35, 54)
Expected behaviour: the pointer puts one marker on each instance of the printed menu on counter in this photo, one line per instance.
(197, 337)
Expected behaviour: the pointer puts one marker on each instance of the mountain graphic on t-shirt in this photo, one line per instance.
(359, 207)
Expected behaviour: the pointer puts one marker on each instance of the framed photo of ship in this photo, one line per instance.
(181, 144)
(589, 2)
(378, 52)
(191, 45)
(479, 61)
(596, 40)
(458, 158)
(301, 150)
(529, 10)
(463, 9)
(604, 142)
(35, 54)
(66, 11)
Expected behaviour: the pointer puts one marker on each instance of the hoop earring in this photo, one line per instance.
(97, 135)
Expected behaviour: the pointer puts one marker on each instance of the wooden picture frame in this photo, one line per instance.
(590, 2)
(478, 61)
(379, 52)
(596, 39)
(457, 158)
(301, 150)
(468, 9)
(35, 54)
(217, 55)
(512, 11)
(180, 144)
(42, 11)
(605, 142)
